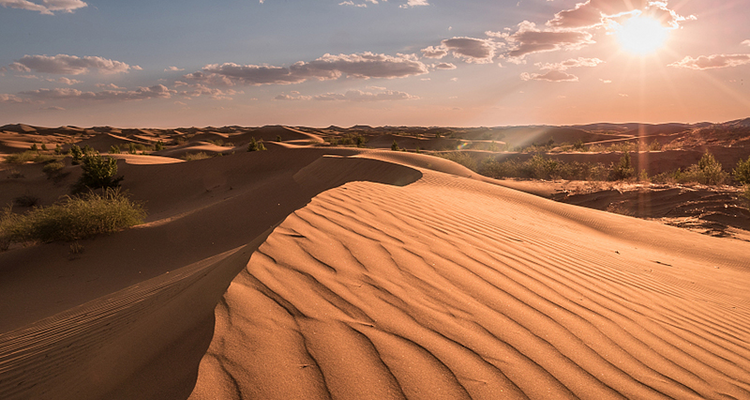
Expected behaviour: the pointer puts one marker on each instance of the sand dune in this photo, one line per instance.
(345, 273)
(451, 288)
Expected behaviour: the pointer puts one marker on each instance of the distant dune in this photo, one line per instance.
(311, 271)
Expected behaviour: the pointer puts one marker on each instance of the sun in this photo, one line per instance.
(641, 35)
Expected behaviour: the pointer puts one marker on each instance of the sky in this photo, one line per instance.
(317, 63)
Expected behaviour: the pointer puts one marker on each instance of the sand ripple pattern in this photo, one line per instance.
(454, 289)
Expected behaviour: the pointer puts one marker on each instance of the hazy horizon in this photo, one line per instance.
(372, 62)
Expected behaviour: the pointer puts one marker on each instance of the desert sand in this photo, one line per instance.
(329, 272)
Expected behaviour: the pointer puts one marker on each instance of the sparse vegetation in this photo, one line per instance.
(195, 156)
(741, 172)
(623, 169)
(394, 146)
(98, 173)
(21, 158)
(53, 169)
(708, 171)
(114, 149)
(73, 218)
(256, 145)
(460, 157)
(541, 167)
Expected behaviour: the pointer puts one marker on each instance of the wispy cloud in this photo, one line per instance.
(69, 65)
(712, 61)
(414, 3)
(362, 66)
(571, 63)
(173, 69)
(10, 98)
(551, 76)
(48, 7)
(144, 93)
(359, 96)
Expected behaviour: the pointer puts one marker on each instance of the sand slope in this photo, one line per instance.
(346, 273)
(452, 288)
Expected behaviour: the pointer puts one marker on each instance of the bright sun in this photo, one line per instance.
(641, 35)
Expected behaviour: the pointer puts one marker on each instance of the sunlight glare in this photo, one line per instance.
(641, 35)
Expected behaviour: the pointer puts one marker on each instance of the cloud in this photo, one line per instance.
(605, 81)
(143, 93)
(444, 66)
(53, 108)
(528, 39)
(66, 81)
(359, 96)
(47, 8)
(12, 99)
(362, 66)
(414, 3)
(746, 42)
(109, 86)
(571, 63)
(551, 76)
(712, 61)
(600, 12)
(435, 52)
(478, 51)
(202, 90)
(173, 69)
(291, 97)
(69, 65)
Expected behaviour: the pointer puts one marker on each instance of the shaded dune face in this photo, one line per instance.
(450, 288)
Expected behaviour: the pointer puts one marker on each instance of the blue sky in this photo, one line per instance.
(400, 62)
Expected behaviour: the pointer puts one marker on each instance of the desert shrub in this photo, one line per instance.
(709, 171)
(746, 195)
(114, 149)
(53, 169)
(98, 173)
(58, 149)
(278, 138)
(741, 172)
(44, 147)
(623, 169)
(579, 145)
(195, 156)
(72, 218)
(21, 158)
(394, 146)
(256, 145)
(159, 146)
(76, 153)
(460, 158)
(34, 147)
(27, 200)
(540, 167)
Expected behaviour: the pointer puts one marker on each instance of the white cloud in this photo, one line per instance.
(600, 12)
(435, 52)
(109, 86)
(529, 39)
(291, 97)
(444, 66)
(571, 63)
(359, 96)
(213, 93)
(66, 81)
(351, 3)
(69, 65)
(143, 93)
(478, 51)
(605, 81)
(746, 42)
(47, 7)
(414, 3)
(10, 98)
(362, 66)
(712, 61)
(173, 69)
(551, 76)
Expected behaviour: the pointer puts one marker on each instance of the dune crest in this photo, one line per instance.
(453, 288)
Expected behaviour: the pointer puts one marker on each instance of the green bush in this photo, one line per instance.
(394, 146)
(98, 173)
(196, 156)
(540, 167)
(256, 145)
(741, 172)
(114, 149)
(21, 158)
(76, 153)
(709, 171)
(53, 169)
(623, 169)
(72, 218)
(460, 158)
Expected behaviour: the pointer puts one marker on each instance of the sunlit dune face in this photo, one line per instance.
(641, 35)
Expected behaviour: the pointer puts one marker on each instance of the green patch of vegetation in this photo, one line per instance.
(73, 218)
(461, 158)
(623, 169)
(53, 169)
(98, 173)
(394, 146)
(541, 167)
(195, 156)
(708, 171)
(741, 172)
(21, 158)
(256, 145)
